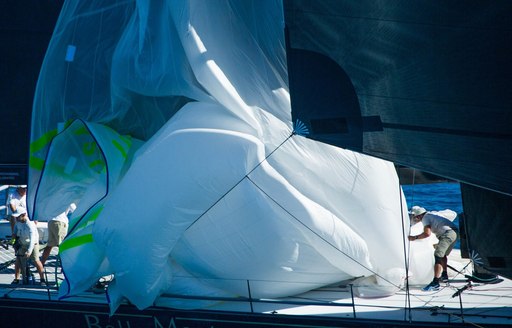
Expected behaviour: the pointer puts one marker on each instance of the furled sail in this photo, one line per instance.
(169, 125)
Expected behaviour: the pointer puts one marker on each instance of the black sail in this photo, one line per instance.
(424, 84)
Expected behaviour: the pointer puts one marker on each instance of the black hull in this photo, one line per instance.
(56, 314)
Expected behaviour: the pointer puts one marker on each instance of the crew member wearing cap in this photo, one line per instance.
(26, 231)
(446, 231)
(16, 199)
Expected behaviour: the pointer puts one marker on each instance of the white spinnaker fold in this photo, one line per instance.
(206, 193)
(219, 176)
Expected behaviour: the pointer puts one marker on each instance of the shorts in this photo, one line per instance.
(34, 256)
(57, 231)
(446, 242)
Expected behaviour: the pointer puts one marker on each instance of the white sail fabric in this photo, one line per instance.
(222, 196)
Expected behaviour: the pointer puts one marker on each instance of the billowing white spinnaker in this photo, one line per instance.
(169, 125)
(239, 225)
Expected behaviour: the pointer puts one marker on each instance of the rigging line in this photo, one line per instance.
(406, 255)
(316, 234)
(461, 270)
(236, 184)
(247, 176)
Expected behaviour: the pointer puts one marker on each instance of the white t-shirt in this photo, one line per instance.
(27, 232)
(437, 223)
(62, 217)
(15, 199)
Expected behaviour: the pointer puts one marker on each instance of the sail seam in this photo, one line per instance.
(479, 134)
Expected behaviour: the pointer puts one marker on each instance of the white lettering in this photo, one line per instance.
(92, 324)
(159, 325)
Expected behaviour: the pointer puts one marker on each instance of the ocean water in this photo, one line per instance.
(434, 196)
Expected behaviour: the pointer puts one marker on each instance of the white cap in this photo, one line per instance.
(417, 210)
(71, 208)
(19, 211)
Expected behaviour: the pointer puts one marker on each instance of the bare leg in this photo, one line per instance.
(46, 253)
(438, 269)
(17, 268)
(39, 267)
(23, 268)
(445, 264)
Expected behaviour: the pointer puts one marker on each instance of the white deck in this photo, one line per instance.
(483, 304)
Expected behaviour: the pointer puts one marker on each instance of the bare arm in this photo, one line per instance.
(425, 234)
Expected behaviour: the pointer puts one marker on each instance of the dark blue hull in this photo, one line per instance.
(56, 314)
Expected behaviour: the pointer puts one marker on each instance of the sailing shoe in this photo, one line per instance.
(15, 282)
(42, 283)
(433, 286)
(444, 277)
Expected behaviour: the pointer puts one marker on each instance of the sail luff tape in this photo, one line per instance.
(70, 53)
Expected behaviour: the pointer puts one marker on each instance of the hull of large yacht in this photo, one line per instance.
(457, 303)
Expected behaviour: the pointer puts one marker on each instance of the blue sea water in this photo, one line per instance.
(434, 196)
